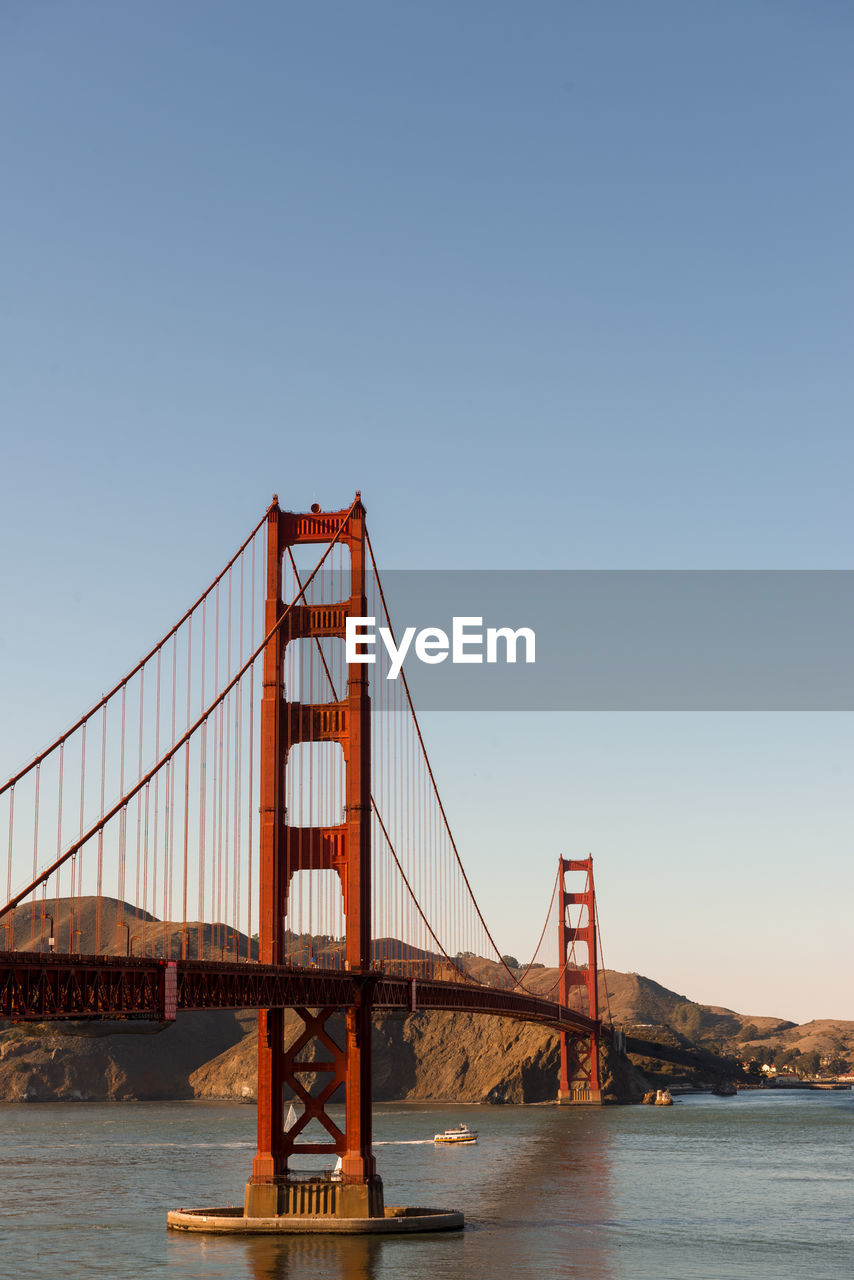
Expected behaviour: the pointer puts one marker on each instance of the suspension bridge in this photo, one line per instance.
(248, 821)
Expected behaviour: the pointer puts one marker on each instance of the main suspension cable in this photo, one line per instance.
(43, 755)
(176, 747)
(430, 771)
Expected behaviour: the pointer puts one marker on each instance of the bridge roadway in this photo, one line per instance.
(43, 987)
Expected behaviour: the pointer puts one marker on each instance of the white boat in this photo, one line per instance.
(460, 1133)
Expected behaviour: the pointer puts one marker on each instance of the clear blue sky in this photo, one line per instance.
(555, 285)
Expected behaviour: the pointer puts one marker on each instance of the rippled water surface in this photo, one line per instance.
(758, 1186)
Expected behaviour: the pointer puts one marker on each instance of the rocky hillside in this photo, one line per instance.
(112, 1062)
(436, 1057)
(429, 1056)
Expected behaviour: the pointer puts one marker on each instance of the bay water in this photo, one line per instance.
(760, 1186)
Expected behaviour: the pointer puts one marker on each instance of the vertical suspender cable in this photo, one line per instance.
(185, 945)
(10, 931)
(59, 838)
(239, 806)
(251, 752)
(216, 884)
(78, 858)
(36, 840)
(228, 771)
(121, 868)
(154, 852)
(203, 764)
(171, 775)
(100, 877)
(145, 870)
(139, 798)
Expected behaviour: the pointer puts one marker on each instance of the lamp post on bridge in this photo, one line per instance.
(51, 940)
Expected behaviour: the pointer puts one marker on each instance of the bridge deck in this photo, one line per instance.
(39, 987)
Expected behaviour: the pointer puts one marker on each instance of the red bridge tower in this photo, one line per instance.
(579, 1057)
(284, 850)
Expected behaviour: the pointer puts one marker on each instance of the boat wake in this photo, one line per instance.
(405, 1142)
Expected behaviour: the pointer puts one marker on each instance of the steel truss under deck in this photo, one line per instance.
(34, 988)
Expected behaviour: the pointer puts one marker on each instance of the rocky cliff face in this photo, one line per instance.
(53, 1063)
(426, 1056)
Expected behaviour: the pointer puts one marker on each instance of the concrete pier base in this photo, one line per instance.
(580, 1096)
(314, 1204)
(312, 1197)
(396, 1220)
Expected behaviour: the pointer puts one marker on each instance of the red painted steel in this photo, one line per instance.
(49, 986)
(579, 1055)
(37, 988)
(286, 850)
(46, 985)
(270, 1160)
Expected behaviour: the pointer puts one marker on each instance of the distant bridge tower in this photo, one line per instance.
(285, 850)
(579, 1056)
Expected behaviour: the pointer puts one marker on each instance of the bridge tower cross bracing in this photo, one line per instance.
(285, 850)
(579, 1057)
